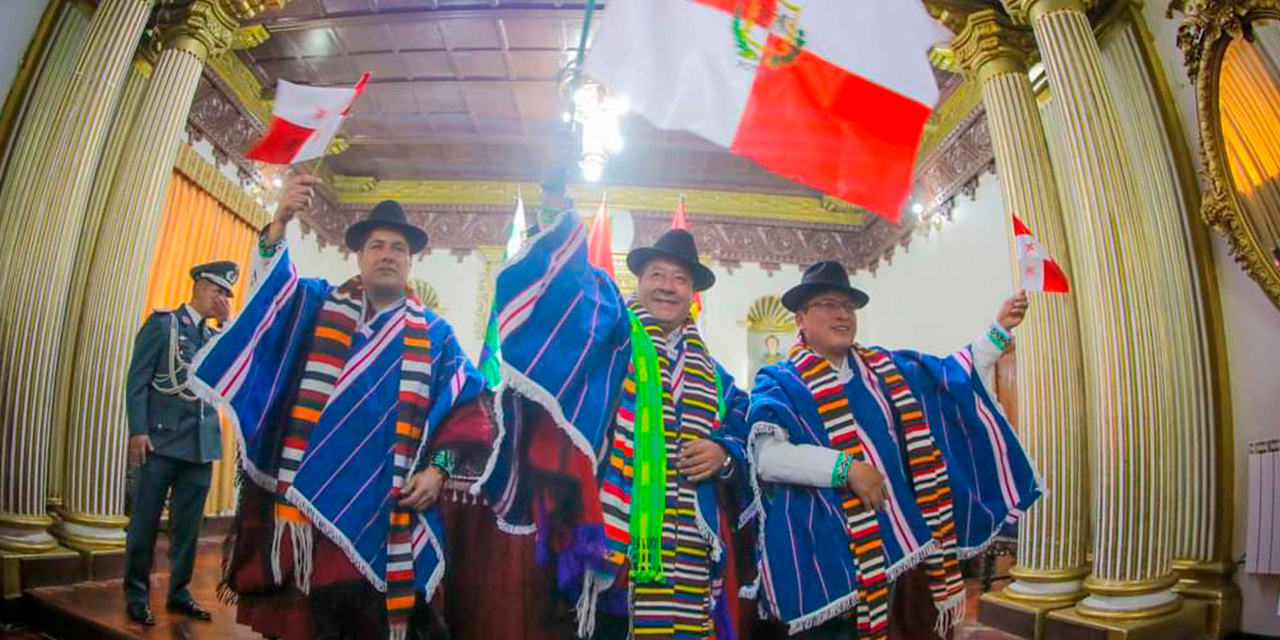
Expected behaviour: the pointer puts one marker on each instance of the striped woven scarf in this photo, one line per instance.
(326, 360)
(872, 611)
(679, 605)
(929, 481)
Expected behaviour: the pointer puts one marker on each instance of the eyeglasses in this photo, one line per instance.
(832, 306)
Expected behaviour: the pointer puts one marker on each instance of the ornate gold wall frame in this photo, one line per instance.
(1208, 28)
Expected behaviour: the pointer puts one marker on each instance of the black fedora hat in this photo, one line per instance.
(827, 275)
(387, 215)
(678, 245)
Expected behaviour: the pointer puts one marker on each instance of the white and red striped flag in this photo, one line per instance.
(304, 121)
(832, 93)
(1039, 271)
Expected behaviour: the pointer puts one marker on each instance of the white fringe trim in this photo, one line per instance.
(437, 576)
(516, 381)
(950, 613)
(335, 536)
(399, 632)
(750, 591)
(513, 381)
(717, 547)
(823, 615)
(757, 505)
(593, 584)
(910, 562)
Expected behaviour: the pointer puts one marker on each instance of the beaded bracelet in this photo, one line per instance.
(268, 250)
(840, 473)
(443, 460)
(998, 337)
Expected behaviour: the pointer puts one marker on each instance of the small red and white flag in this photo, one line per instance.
(600, 240)
(831, 93)
(304, 121)
(1039, 271)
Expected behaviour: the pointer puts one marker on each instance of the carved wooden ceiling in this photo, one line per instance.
(466, 89)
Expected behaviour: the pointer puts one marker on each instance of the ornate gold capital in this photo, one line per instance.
(250, 36)
(206, 28)
(987, 46)
(1027, 11)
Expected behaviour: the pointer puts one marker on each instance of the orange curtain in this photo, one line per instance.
(196, 229)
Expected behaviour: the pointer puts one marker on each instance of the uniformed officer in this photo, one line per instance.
(173, 440)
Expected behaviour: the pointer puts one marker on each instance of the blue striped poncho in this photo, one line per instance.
(344, 481)
(805, 566)
(566, 346)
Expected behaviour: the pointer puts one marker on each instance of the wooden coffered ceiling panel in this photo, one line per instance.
(468, 90)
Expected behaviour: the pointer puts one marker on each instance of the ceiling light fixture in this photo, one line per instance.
(598, 113)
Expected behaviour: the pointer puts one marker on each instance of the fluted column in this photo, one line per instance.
(44, 229)
(61, 481)
(1052, 408)
(116, 284)
(1202, 510)
(1123, 333)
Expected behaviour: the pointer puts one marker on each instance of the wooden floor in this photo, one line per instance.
(95, 610)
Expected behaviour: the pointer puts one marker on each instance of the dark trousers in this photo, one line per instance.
(189, 482)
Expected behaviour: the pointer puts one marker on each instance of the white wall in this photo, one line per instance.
(1252, 329)
(946, 290)
(726, 311)
(18, 20)
(936, 297)
(457, 281)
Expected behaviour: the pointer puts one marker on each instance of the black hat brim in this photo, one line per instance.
(796, 297)
(703, 278)
(357, 233)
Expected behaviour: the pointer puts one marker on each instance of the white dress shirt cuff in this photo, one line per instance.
(779, 461)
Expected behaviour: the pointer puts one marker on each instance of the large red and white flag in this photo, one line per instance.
(304, 121)
(832, 93)
(1039, 271)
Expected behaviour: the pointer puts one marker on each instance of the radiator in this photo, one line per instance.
(1262, 553)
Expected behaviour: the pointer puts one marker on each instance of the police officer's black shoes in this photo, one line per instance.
(141, 613)
(189, 608)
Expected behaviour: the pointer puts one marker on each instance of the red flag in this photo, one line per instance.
(678, 222)
(1039, 271)
(831, 94)
(600, 240)
(304, 121)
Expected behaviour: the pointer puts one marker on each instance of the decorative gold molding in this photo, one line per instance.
(948, 117)
(231, 195)
(242, 82)
(1208, 28)
(249, 36)
(208, 28)
(367, 191)
(988, 46)
(427, 295)
(767, 315)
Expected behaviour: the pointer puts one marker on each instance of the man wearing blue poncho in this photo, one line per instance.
(617, 439)
(870, 462)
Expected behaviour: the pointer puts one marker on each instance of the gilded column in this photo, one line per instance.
(116, 284)
(1052, 404)
(1202, 541)
(44, 228)
(1124, 335)
(105, 179)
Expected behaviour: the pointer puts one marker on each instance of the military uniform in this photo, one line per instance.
(186, 438)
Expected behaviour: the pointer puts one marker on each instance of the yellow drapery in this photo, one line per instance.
(196, 229)
(1250, 104)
